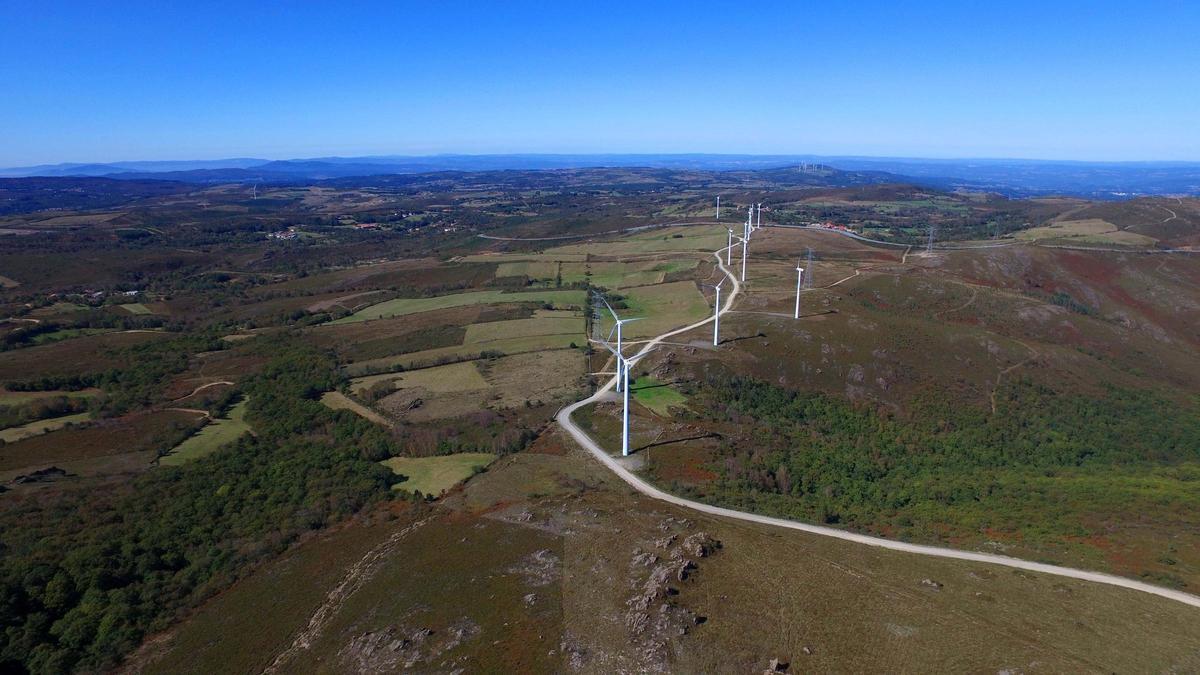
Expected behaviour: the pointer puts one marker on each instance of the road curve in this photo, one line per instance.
(564, 419)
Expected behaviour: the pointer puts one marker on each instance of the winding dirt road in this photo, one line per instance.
(564, 419)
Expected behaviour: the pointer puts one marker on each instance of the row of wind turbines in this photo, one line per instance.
(624, 364)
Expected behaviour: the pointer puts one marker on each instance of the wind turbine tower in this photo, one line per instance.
(717, 316)
(758, 225)
(744, 242)
(729, 248)
(620, 324)
(624, 365)
(746, 239)
(625, 407)
(799, 283)
(718, 207)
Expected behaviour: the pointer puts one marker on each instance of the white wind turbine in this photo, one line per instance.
(623, 366)
(718, 207)
(617, 327)
(729, 248)
(758, 225)
(618, 323)
(717, 315)
(799, 282)
(745, 241)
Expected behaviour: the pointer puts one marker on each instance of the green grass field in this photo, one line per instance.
(450, 378)
(13, 434)
(665, 306)
(699, 238)
(136, 308)
(429, 357)
(435, 475)
(534, 269)
(403, 306)
(613, 274)
(657, 396)
(67, 334)
(338, 401)
(502, 258)
(1090, 230)
(608, 274)
(566, 323)
(217, 433)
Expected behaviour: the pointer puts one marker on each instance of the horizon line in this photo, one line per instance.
(731, 155)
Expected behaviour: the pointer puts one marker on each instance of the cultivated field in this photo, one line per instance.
(1092, 230)
(518, 381)
(339, 401)
(664, 306)
(559, 323)
(454, 377)
(403, 306)
(430, 357)
(612, 275)
(702, 239)
(435, 475)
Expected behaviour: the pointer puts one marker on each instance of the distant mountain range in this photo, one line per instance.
(1019, 178)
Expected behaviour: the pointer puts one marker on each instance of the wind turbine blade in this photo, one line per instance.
(610, 309)
(630, 361)
(609, 347)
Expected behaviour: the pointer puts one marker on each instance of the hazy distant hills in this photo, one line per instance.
(1021, 178)
(128, 167)
(1102, 180)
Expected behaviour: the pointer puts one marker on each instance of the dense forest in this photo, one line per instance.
(1043, 465)
(84, 577)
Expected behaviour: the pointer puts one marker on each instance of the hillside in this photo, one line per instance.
(212, 392)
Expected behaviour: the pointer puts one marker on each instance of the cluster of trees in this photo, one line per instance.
(138, 383)
(29, 335)
(1042, 461)
(481, 431)
(84, 577)
(54, 406)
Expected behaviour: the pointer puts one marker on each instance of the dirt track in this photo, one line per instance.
(564, 419)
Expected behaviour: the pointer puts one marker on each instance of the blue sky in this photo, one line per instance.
(174, 80)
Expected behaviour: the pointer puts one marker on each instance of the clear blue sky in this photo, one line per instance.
(92, 81)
